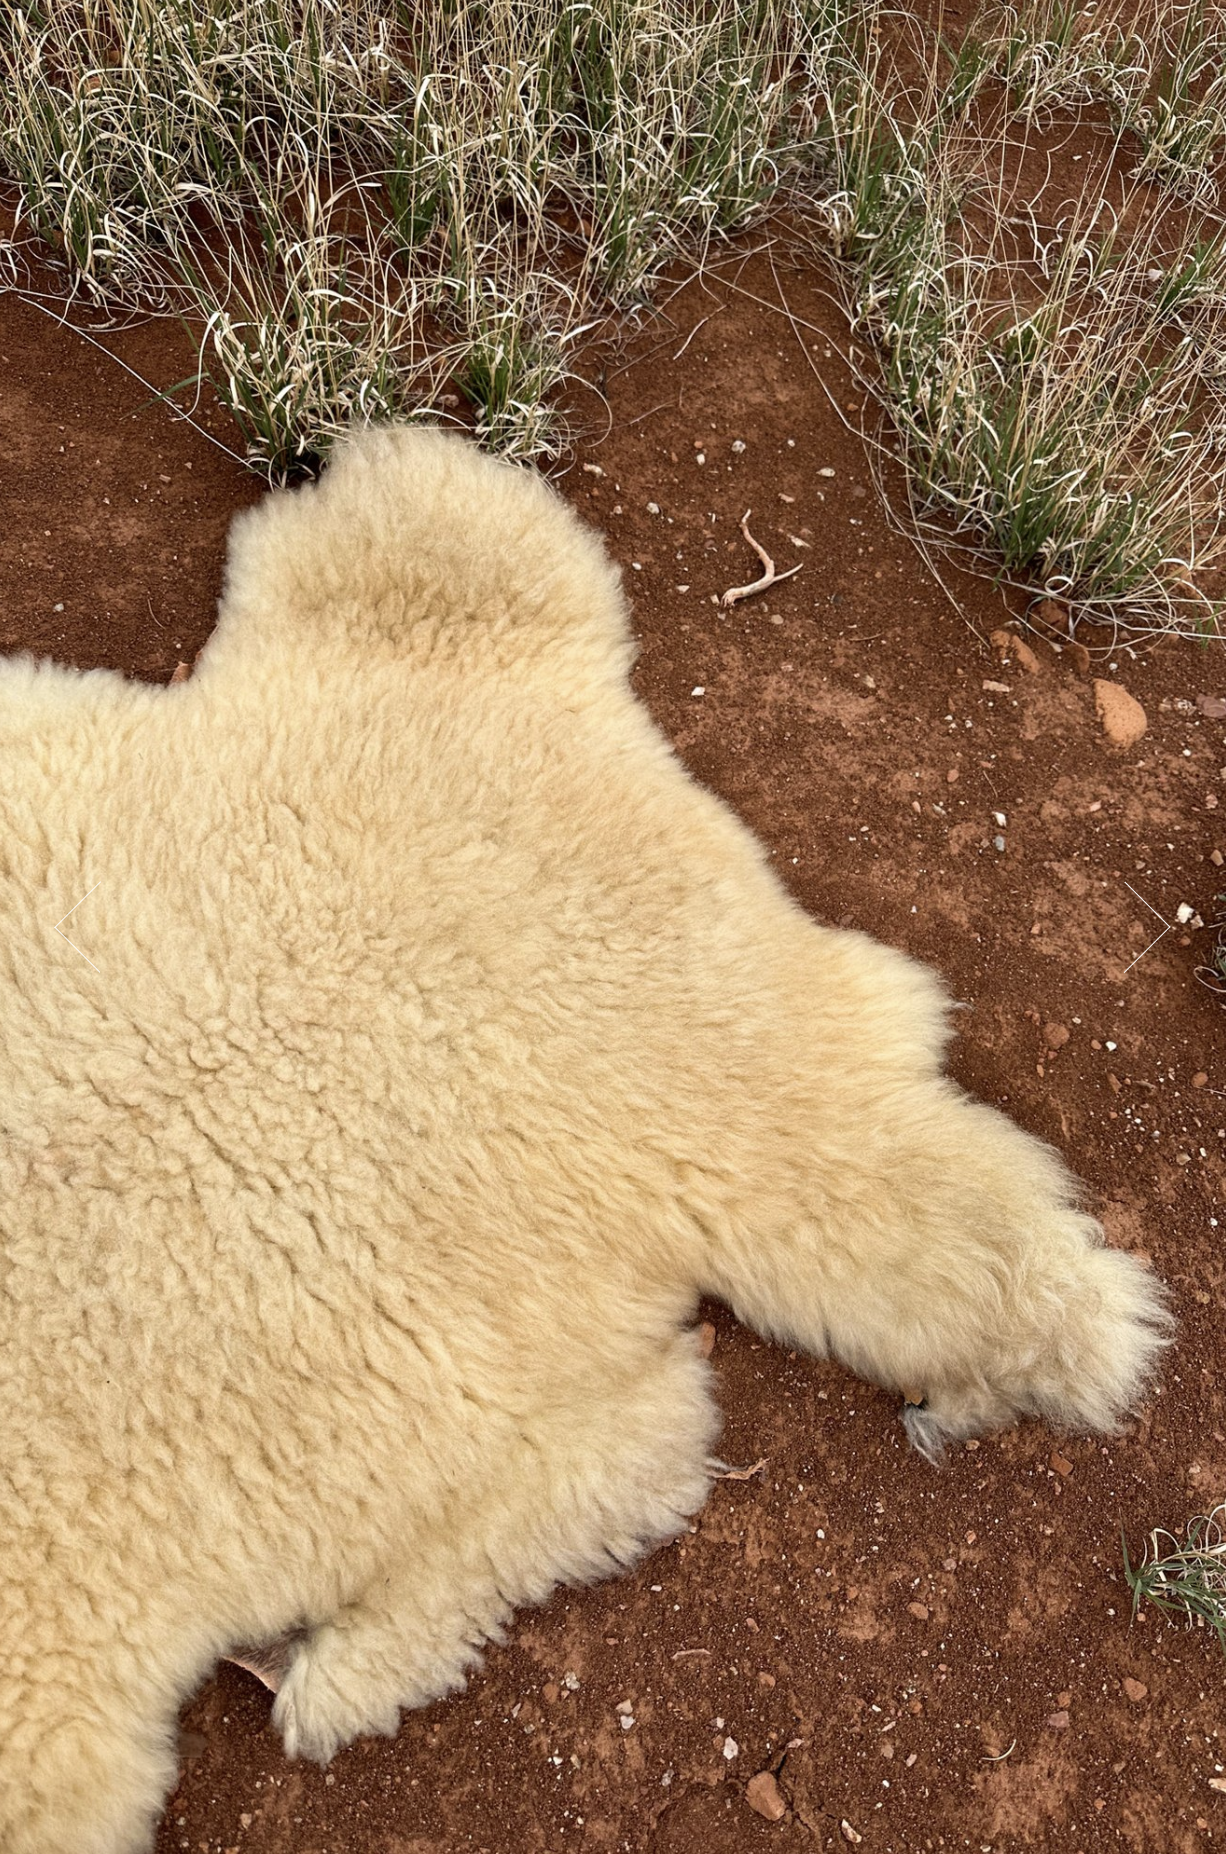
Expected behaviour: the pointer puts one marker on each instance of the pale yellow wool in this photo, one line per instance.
(427, 1044)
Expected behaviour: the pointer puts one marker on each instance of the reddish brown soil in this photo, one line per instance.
(927, 1659)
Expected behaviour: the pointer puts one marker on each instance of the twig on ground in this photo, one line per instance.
(706, 318)
(769, 577)
(725, 1473)
(669, 405)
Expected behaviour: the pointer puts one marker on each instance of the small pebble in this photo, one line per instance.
(764, 1796)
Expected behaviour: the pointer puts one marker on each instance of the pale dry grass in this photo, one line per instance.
(1053, 363)
(369, 210)
(359, 204)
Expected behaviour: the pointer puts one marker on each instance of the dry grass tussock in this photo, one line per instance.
(361, 205)
(368, 209)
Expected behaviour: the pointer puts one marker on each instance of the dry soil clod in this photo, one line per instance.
(769, 576)
(1010, 645)
(1120, 714)
(764, 1796)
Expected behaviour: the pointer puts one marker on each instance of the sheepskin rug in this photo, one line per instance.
(420, 1044)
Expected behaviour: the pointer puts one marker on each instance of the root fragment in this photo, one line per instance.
(769, 577)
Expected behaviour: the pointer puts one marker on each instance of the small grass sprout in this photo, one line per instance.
(1186, 1578)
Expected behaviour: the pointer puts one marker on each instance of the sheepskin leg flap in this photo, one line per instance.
(423, 1043)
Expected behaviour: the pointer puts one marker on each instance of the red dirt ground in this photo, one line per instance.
(925, 1659)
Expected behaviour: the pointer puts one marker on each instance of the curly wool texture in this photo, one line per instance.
(428, 1042)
